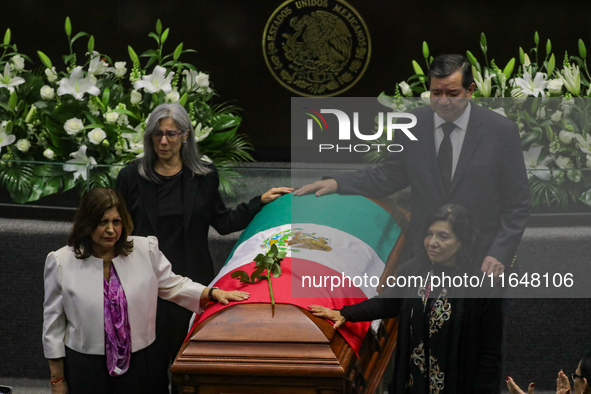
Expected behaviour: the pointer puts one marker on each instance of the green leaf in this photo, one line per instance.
(482, 40)
(156, 37)
(68, 26)
(508, 70)
(551, 65)
(91, 44)
(177, 52)
(79, 35)
(273, 251)
(549, 133)
(164, 36)
(417, 68)
(13, 100)
(582, 49)
(183, 99)
(586, 197)
(259, 257)
(133, 55)
(48, 170)
(158, 26)
(7, 37)
(242, 275)
(44, 59)
(106, 95)
(256, 273)
(276, 271)
(281, 255)
(472, 60)
(425, 50)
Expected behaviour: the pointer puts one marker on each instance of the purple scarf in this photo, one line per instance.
(117, 331)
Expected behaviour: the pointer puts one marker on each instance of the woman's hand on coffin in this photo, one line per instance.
(330, 314)
(223, 297)
(274, 193)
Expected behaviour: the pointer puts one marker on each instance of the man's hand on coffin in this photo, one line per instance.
(274, 193)
(327, 313)
(320, 188)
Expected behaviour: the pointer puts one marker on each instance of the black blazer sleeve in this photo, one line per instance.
(226, 220)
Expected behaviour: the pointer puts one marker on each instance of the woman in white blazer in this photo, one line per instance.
(101, 290)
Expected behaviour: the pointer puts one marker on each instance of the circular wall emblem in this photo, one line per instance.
(316, 47)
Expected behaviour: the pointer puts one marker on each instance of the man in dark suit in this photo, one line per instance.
(465, 154)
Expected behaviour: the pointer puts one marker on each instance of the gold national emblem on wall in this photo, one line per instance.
(316, 47)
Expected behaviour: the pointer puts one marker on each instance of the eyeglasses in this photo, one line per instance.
(573, 376)
(171, 135)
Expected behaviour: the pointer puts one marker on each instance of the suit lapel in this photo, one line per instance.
(190, 187)
(428, 142)
(474, 133)
(150, 200)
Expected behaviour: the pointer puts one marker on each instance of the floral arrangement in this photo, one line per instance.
(548, 101)
(69, 127)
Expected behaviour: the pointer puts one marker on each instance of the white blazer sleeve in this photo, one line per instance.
(54, 318)
(172, 287)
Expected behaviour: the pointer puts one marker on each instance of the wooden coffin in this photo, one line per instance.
(250, 348)
(245, 349)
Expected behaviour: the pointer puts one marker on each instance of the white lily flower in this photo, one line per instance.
(201, 132)
(77, 85)
(532, 162)
(80, 164)
(584, 143)
(532, 87)
(8, 81)
(51, 74)
(484, 84)
(571, 77)
(97, 66)
(6, 139)
(156, 81)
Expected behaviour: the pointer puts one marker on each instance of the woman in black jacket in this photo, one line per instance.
(172, 193)
(449, 336)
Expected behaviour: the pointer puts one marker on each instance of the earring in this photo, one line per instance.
(184, 142)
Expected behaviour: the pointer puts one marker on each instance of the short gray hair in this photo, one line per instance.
(189, 152)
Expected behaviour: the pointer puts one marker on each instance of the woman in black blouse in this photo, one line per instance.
(447, 343)
(173, 194)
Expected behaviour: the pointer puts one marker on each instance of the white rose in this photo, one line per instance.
(136, 97)
(565, 136)
(405, 89)
(563, 162)
(426, 96)
(120, 69)
(111, 117)
(47, 92)
(556, 116)
(51, 74)
(23, 145)
(73, 126)
(48, 153)
(19, 62)
(96, 136)
(555, 86)
(173, 97)
(202, 80)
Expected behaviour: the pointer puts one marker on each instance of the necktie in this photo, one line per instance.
(445, 155)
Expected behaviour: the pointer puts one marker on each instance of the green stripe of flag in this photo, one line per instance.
(355, 215)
